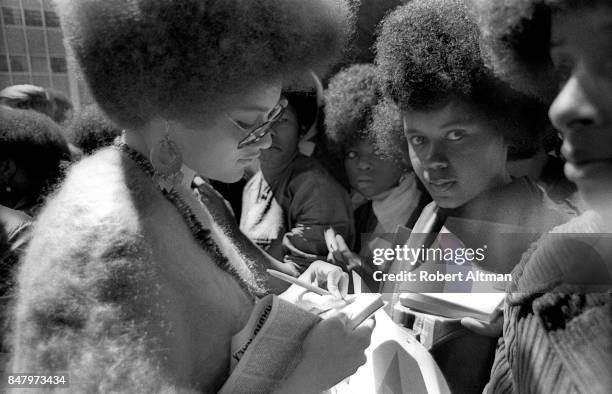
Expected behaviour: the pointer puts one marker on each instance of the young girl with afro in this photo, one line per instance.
(461, 124)
(557, 334)
(128, 284)
(357, 116)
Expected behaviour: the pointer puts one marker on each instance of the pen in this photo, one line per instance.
(295, 281)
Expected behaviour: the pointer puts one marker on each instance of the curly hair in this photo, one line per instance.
(355, 111)
(90, 129)
(35, 143)
(516, 40)
(144, 58)
(428, 53)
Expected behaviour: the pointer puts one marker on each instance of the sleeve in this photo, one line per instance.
(88, 304)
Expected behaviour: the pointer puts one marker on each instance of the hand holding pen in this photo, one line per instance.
(322, 286)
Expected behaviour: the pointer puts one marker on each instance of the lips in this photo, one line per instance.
(440, 185)
(578, 171)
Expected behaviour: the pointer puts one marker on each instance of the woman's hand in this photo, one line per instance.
(325, 276)
(330, 353)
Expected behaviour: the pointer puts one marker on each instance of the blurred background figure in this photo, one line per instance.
(32, 151)
(47, 101)
(357, 119)
(90, 129)
(292, 199)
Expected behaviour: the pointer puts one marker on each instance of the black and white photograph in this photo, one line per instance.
(306, 196)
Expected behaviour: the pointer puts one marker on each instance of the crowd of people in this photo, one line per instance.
(231, 137)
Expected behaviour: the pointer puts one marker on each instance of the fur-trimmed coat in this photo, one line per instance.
(115, 289)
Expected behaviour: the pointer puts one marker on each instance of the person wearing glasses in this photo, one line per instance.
(129, 285)
(290, 202)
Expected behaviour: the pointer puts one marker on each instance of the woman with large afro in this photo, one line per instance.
(357, 117)
(461, 124)
(557, 334)
(128, 284)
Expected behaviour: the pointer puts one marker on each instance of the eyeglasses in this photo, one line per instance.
(263, 129)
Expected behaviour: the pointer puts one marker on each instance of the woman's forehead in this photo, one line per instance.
(259, 99)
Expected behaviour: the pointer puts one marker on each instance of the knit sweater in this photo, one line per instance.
(557, 334)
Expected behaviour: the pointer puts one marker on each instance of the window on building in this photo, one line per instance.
(33, 17)
(39, 64)
(51, 19)
(58, 65)
(3, 63)
(19, 64)
(12, 16)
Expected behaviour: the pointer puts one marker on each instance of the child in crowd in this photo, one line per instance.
(290, 202)
(460, 122)
(557, 333)
(355, 115)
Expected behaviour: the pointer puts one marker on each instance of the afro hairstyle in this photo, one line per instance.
(174, 59)
(367, 16)
(516, 40)
(35, 143)
(90, 129)
(428, 53)
(356, 111)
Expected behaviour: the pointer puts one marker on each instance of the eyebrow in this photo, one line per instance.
(458, 122)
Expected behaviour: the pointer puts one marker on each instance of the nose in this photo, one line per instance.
(572, 109)
(364, 163)
(434, 157)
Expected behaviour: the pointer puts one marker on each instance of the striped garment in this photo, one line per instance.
(557, 334)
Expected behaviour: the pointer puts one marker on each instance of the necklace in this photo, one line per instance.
(201, 234)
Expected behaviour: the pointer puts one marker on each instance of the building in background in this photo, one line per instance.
(32, 49)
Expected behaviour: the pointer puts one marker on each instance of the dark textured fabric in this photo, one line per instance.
(557, 335)
(287, 215)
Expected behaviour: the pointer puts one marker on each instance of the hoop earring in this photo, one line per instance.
(167, 161)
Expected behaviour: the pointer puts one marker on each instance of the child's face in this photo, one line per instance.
(581, 50)
(369, 173)
(455, 153)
